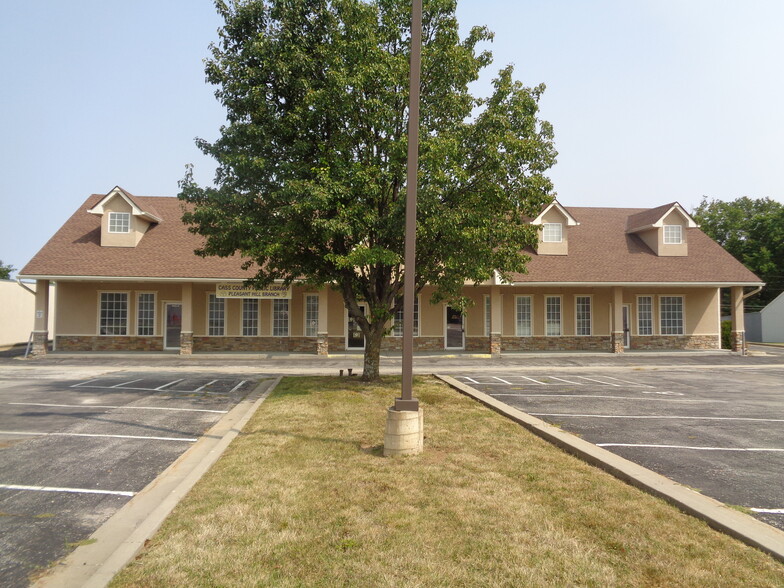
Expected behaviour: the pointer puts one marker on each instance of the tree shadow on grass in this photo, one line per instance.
(375, 450)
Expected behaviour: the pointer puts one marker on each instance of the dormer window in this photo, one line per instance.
(673, 234)
(552, 232)
(662, 229)
(553, 225)
(123, 221)
(119, 222)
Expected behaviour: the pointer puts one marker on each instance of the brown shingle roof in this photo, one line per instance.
(647, 217)
(148, 208)
(165, 250)
(599, 251)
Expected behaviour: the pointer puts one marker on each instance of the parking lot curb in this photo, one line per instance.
(716, 514)
(121, 537)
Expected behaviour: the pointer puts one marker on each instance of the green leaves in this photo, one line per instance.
(312, 161)
(752, 230)
(5, 271)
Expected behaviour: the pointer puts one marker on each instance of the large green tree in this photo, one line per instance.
(752, 230)
(311, 163)
(5, 271)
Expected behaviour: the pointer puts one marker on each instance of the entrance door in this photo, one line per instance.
(355, 338)
(455, 331)
(627, 330)
(173, 325)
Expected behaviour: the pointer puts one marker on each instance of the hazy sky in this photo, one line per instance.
(651, 100)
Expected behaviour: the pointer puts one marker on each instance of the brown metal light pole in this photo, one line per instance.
(407, 401)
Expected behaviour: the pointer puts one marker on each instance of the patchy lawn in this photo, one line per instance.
(303, 497)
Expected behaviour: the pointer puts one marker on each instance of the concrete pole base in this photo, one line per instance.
(405, 432)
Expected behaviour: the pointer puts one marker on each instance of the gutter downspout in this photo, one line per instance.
(23, 285)
(753, 292)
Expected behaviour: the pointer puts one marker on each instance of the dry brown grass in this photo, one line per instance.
(304, 498)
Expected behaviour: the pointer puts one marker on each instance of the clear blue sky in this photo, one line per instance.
(651, 100)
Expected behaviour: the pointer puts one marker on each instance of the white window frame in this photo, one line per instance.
(276, 332)
(397, 323)
(682, 317)
(257, 326)
(154, 313)
(127, 313)
(308, 317)
(547, 312)
(210, 332)
(650, 316)
(673, 236)
(577, 332)
(519, 332)
(547, 232)
(121, 221)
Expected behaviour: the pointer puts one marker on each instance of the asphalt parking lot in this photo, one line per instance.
(718, 431)
(72, 452)
(81, 433)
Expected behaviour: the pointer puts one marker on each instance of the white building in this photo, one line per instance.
(773, 321)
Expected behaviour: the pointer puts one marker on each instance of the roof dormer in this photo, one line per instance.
(663, 229)
(553, 224)
(123, 221)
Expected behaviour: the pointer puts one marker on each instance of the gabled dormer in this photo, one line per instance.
(663, 229)
(123, 221)
(554, 222)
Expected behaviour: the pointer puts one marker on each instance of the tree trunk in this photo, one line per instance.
(370, 369)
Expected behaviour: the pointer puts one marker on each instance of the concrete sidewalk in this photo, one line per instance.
(424, 363)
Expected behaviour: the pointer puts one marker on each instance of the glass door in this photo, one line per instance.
(627, 331)
(355, 339)
(173, 325)
(455, 331)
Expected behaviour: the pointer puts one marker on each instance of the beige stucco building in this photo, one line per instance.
(17, 313)
(607, 279)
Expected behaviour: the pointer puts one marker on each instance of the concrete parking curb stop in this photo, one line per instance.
(717, 514)
(120, 538)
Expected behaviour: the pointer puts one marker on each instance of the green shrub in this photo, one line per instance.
(726, 334)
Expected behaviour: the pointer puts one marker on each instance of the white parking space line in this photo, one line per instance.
(622, 416)
(628, 382)
(534, 381)
(72, 490)
(169, 384)
(84, 383)
(125, 383)
(768, 510)
(502, 381)
(470, 379)
(690, 447)
(237, 387)
(200, 388)
(648, 398)
(43, 434)
(599, 381)
(567, 381)
(157, 389)
(119, 407)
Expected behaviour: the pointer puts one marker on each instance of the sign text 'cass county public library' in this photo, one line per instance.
(234, 290)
